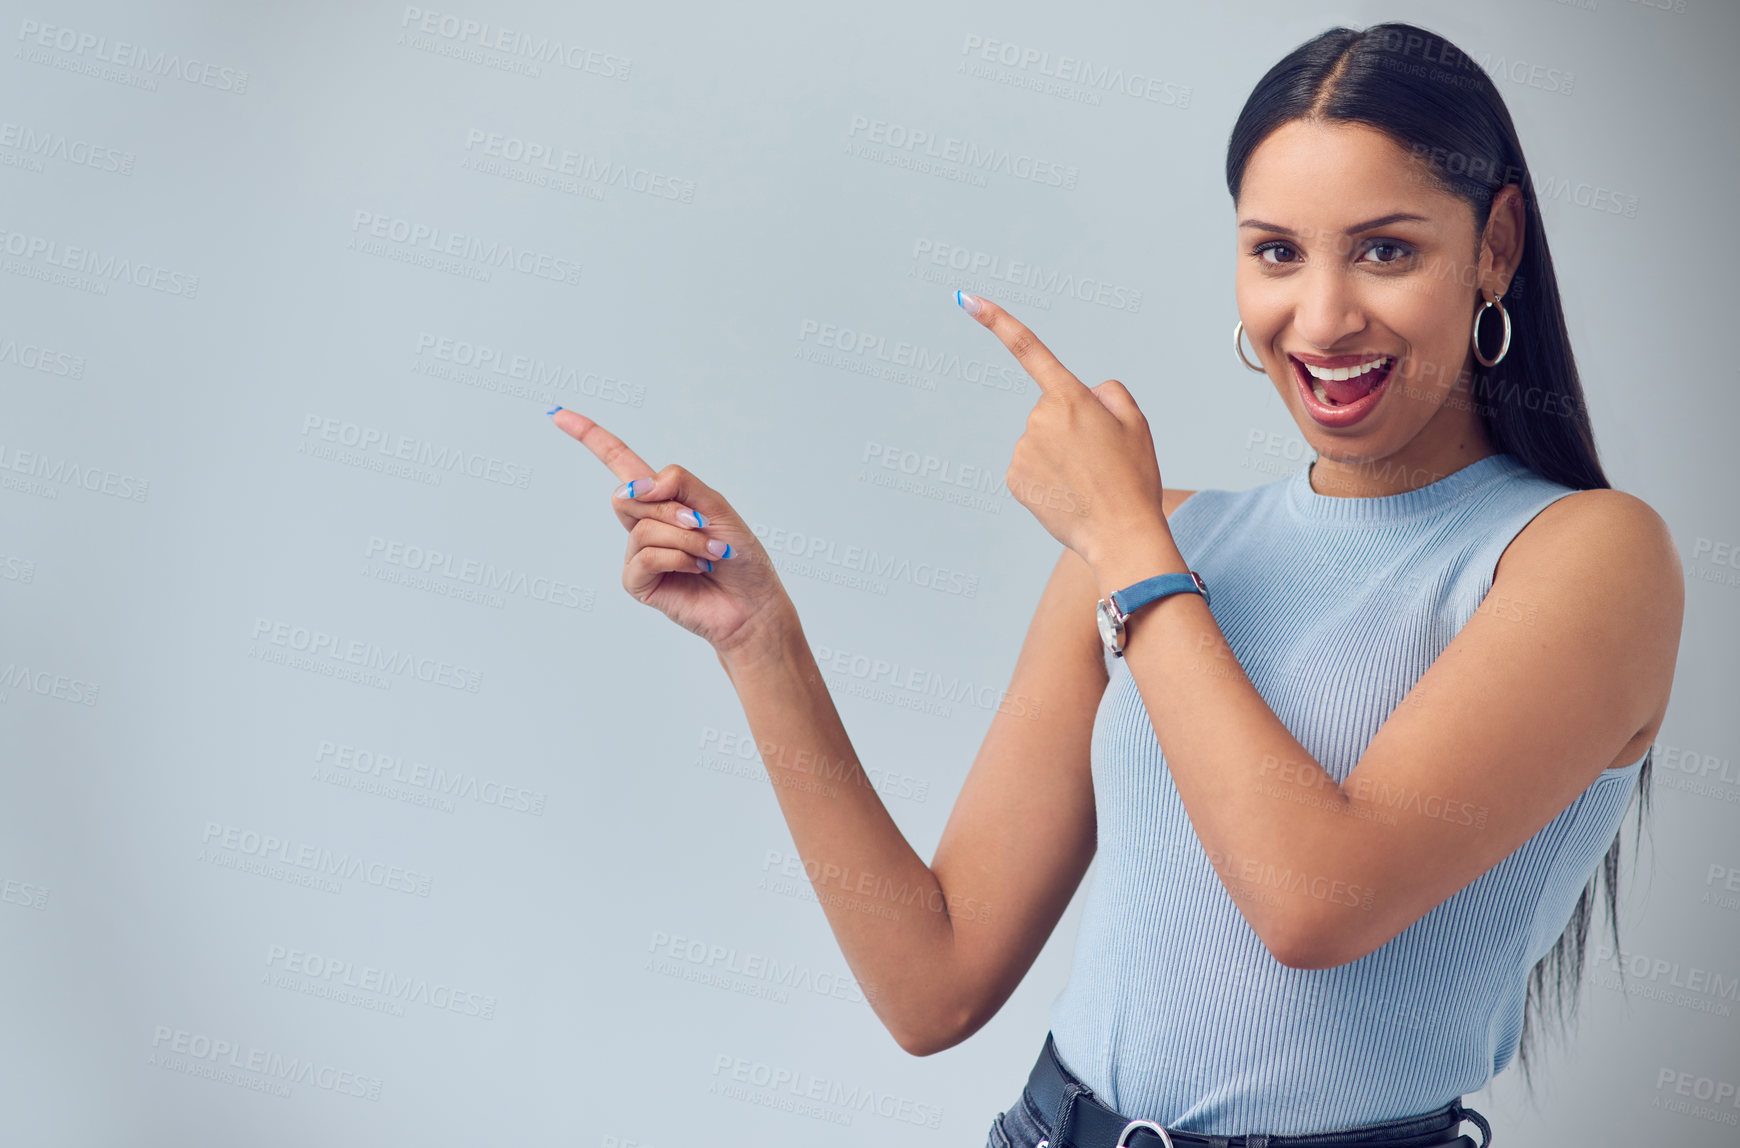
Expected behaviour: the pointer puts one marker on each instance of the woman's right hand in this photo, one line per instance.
(735, 601)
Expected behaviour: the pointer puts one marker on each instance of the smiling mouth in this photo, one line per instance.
(1345, 386)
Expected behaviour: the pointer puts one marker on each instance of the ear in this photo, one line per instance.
(1501, 244)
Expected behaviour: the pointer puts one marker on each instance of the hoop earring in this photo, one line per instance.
(1474, 337)
(1239, 349)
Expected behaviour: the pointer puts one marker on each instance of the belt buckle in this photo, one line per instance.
(1149, 1124)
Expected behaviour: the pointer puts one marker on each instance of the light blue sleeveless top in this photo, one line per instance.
(1174, 1011)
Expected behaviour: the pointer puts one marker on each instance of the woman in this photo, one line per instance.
(1346, 817)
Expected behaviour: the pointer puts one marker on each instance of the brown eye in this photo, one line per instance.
(1401, 251)
(1262, 251)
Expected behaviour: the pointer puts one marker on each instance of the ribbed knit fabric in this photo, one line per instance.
(1174, 1011)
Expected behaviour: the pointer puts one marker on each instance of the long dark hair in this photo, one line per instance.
(1432, 99)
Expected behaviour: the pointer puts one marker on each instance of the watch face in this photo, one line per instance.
(1111, 629)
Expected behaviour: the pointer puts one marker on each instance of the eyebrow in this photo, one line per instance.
(1380, 221)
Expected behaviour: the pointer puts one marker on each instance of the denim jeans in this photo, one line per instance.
(1022, 1126)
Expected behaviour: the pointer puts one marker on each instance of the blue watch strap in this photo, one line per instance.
(1133, 598)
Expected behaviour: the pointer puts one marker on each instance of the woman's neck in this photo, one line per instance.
(1407, 469)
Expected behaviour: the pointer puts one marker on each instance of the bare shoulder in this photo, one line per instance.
(1594, 530)
(1604, 561)
(1171, 500)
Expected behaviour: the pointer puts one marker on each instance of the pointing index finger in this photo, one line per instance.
(611, 451)
(1034, 356)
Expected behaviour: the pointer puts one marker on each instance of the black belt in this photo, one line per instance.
(1081, 1121)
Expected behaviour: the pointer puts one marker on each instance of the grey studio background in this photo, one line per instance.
(524, 881)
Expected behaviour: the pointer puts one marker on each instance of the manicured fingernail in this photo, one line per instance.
(691, 519)
(704, 564)
(969, 303)
(719, 549)
(552, 410)
(626, 490)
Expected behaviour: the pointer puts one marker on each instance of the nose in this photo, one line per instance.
(1328, 309)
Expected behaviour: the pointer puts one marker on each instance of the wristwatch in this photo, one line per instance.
(1115, 610)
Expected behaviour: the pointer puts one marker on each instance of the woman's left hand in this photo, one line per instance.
(1085, 466)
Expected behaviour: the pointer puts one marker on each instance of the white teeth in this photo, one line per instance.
(1322, 396)
(1344, 372)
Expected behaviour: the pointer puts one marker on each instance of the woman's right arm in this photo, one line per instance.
(940, 947)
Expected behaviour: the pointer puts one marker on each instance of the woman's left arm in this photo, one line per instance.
(1507, 726)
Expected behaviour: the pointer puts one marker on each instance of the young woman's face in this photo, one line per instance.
(1348, 255)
